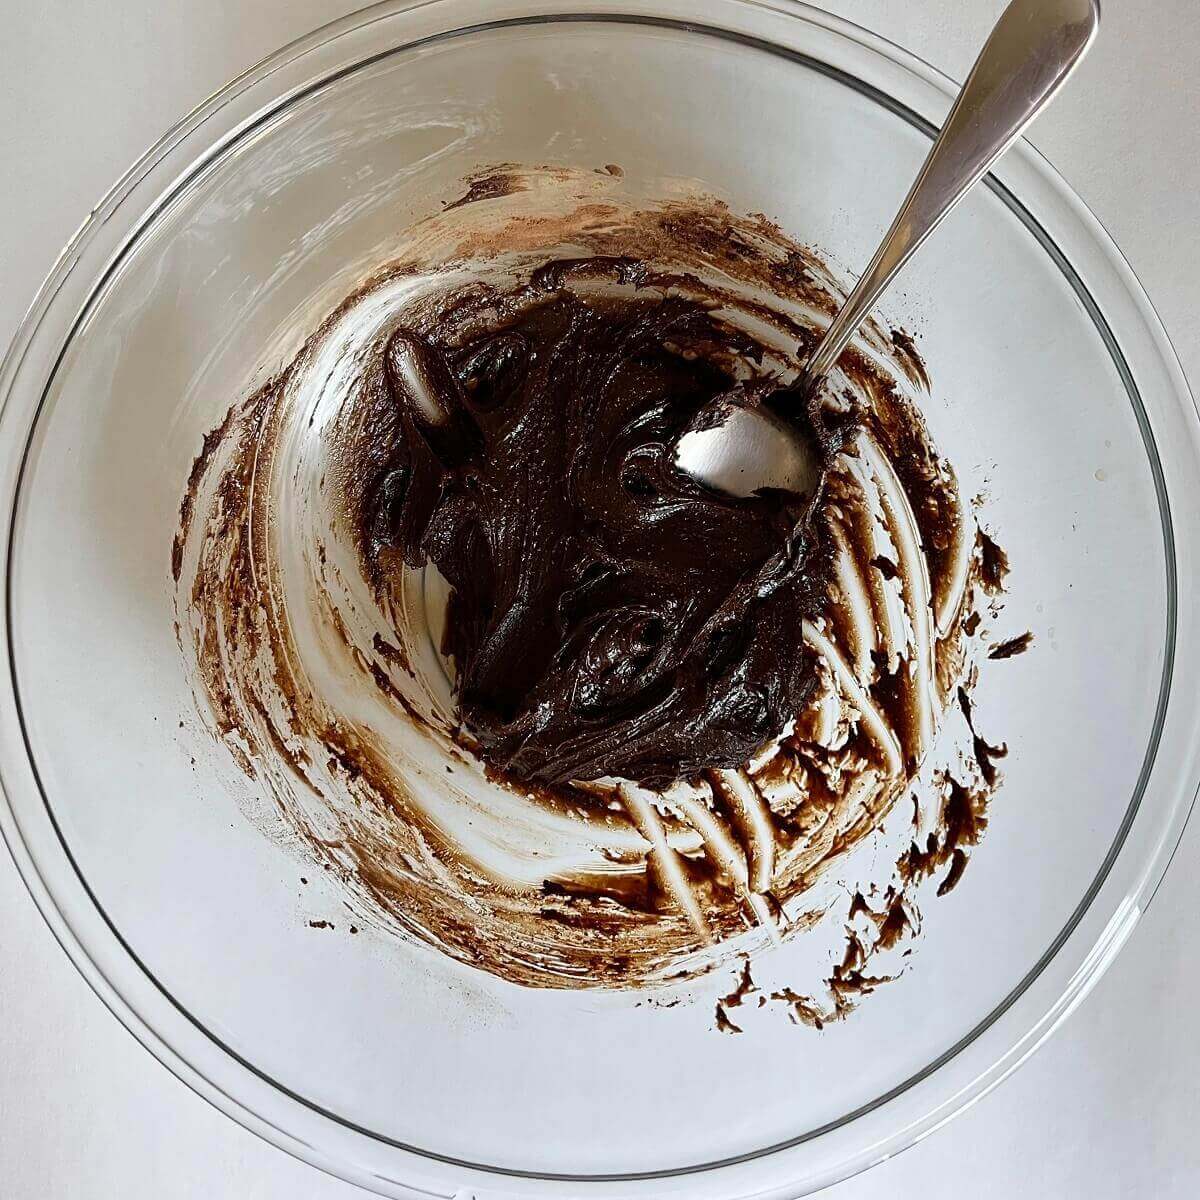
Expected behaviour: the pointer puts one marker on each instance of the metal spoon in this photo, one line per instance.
(1030, 54)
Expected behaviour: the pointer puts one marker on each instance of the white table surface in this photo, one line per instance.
(1109, 1108)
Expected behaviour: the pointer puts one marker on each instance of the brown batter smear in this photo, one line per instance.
(630, 802)
(985, 753)
(735, 999)
(489, 184)
(993, 565)
(1011, 647)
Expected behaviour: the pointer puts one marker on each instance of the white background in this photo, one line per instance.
(1109, 1108)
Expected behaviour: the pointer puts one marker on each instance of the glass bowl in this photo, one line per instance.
(1055, 393)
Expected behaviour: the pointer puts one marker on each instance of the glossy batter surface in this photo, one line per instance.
(609, 616)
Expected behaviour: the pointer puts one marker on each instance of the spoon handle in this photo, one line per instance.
(1030, 54)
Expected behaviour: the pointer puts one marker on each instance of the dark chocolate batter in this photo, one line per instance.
(609, 616)
(476, 406)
